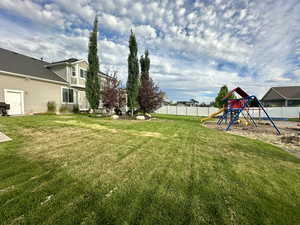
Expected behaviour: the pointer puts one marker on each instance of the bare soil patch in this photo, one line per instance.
(288, 140)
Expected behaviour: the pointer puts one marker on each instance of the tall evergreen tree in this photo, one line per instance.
(92, 79)
(150, 97)
(145, 66)
(133, 74)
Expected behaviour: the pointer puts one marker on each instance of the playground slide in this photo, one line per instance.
(213, 115)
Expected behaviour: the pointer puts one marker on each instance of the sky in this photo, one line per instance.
(195, 46)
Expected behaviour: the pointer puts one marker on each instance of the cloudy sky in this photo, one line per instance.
(195, 46)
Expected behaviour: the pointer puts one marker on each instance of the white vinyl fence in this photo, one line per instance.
(274, 112)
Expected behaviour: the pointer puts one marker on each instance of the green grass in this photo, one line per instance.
(79, 170)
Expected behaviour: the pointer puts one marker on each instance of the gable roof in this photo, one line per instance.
(280, 93)
(16, 63)
(272, 95)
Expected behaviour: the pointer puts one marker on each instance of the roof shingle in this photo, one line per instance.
(291, 92)
(17, 63)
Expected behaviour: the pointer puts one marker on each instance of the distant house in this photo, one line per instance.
(27, 84)
(282, 96)
(191, 102)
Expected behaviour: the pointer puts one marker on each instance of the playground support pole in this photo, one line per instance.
(233, 119)
(261, 106)
(251, 118)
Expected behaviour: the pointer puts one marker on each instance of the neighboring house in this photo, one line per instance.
(28, 84)
(166, 101)
(191, 102)
(282, 96)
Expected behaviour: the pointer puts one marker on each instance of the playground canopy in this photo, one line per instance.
(242, 94)
(237, 90)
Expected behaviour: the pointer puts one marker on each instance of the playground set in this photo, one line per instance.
(236, 111)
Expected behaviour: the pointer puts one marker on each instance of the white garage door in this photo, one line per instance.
(15, 99)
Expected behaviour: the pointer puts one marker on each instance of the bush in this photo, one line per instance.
(64, 109)
(51, 107)
(76, 108)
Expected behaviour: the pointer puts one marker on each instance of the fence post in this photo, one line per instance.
(176, 110)
(197, 111)
(167, 109)
(186, 109)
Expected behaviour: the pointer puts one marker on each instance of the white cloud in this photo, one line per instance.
(145, 31)
(114, 23)
(187, 41)
(28, 9)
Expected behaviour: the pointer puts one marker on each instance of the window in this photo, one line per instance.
(68, 95)
(73, 71)
(82, 73)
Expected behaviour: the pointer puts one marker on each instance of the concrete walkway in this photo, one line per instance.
(4, 138)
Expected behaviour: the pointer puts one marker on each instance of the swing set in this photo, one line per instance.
(235, 109)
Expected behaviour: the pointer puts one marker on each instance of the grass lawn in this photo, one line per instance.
(80, 170)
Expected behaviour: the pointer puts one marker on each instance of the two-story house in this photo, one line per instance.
(28, 84)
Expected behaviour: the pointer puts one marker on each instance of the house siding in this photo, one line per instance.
(83, 65)
(36, 93)
(274, 103)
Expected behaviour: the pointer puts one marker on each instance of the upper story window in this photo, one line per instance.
(83, 73)
(73, 71)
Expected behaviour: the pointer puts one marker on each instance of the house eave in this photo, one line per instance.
(66, 63)
(79, 61)
(77, 86)
(57, 64)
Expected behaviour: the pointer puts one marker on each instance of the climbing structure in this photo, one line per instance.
(235, 108)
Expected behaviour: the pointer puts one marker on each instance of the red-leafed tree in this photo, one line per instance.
(150, 97)
(112, 95)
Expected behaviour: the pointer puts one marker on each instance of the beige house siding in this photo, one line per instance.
(103, 83)
(74, 80)
(81, 82)
(77, 81)
(83, 65)
(36, 93)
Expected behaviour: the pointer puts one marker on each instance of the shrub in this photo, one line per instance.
(51, 107)
(64, 109)
(76, 108)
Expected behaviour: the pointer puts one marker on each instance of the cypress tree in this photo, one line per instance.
(145, 66)
(92, 80)
(133, 74)
(150, 97)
